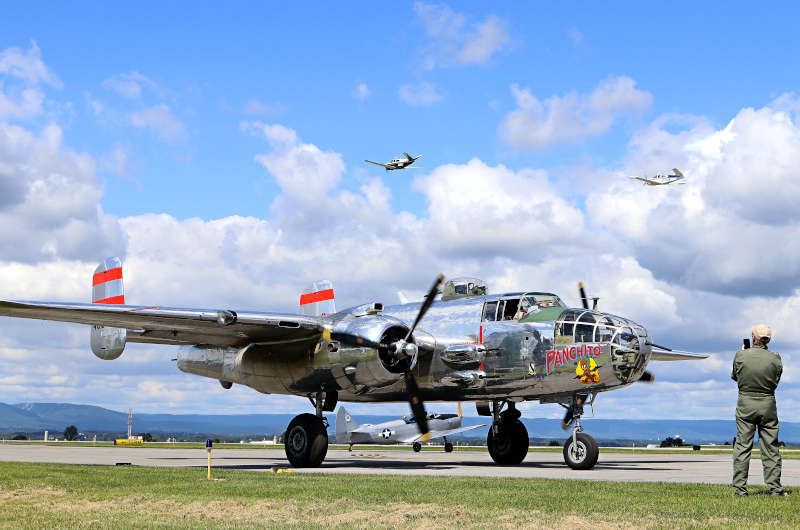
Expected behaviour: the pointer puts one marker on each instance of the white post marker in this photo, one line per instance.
(208, 447)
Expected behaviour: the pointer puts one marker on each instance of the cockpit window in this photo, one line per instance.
(489, 311)
(584, 329)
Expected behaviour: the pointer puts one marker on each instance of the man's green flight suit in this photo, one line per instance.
(757, 371)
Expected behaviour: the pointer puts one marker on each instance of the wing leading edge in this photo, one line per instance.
(168, 325)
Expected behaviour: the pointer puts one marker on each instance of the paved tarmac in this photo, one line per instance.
(708, 467)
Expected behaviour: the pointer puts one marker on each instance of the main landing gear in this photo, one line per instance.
(508, 438)
(448, 447)
(580, 450)
(306, 441)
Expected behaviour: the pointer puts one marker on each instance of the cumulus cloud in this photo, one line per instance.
(161, 122)
(538, 125)
(732, 228)
(497, 211)
(457, 40)
(51, 210)
(423, 93)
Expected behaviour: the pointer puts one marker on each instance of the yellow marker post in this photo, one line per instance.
(208, 446)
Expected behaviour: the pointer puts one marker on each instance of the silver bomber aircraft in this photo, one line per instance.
(496, 350)
(398, 163)
(403, 431)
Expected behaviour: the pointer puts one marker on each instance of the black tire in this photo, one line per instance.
(417, 447)
(510, 445)
(448, 447)
(306, 441)
(584, 454)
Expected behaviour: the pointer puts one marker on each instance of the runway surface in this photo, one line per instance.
(629, 467)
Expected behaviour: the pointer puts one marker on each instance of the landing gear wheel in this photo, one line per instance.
(510, 445)
(583, 454)
(306, 441)
(448, 447)
(417, 447)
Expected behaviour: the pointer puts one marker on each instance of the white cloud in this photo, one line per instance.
(27, 66)
(537, 125)
(49, 208)
(479, 210)
(361, 91)
(455, 40)
(129, 85)
(423, 93)
(24, 73)
(161, 122)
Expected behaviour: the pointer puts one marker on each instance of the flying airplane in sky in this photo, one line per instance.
(661, 180)
(398, 163)
(496, 350)
(399, 431)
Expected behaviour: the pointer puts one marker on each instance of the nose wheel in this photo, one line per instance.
(580, 450)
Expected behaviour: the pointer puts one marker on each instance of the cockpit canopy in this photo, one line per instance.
(580, 325)
(526, 307)
(463, 288)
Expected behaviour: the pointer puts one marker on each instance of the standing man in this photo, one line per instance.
(757, 371)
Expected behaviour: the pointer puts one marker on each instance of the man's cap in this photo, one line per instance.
(761, 331)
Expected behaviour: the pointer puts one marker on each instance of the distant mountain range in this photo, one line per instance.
(55, 417)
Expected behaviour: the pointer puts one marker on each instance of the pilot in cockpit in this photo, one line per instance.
(522, 312)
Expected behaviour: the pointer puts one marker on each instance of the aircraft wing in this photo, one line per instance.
(675, 355)
(377, 164)
(439, 434)
(640, 178)
(168, 325)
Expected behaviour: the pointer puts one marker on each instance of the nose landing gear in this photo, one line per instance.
(580, 450)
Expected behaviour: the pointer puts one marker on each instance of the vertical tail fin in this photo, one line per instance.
(108, 343)
(317, 299)
(344, 424)
(677, 173)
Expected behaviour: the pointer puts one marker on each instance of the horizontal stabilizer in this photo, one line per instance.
(450, 432)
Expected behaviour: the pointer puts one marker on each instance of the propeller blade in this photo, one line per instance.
(647, 377)
(417, 407)
(583, 295)
(426, 304)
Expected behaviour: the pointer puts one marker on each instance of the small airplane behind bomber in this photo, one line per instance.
(398, 163)
(399, 431)
(662, 180)
(496, 350)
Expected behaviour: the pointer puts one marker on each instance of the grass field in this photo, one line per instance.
(62, 496)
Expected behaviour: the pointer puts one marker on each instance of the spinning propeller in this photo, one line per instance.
(404, 351)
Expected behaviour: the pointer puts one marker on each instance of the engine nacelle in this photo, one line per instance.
(361, 370)
(108, 343)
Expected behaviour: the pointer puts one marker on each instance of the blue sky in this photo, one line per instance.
(220, 153)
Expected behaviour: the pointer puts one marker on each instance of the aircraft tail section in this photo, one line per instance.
(677, 173)
(317, 299)
(408, 156)
(108, 343)
(345, 424)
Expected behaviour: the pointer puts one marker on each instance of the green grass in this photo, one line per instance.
(62, 496)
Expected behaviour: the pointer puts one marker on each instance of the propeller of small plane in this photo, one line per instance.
(403, 350)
